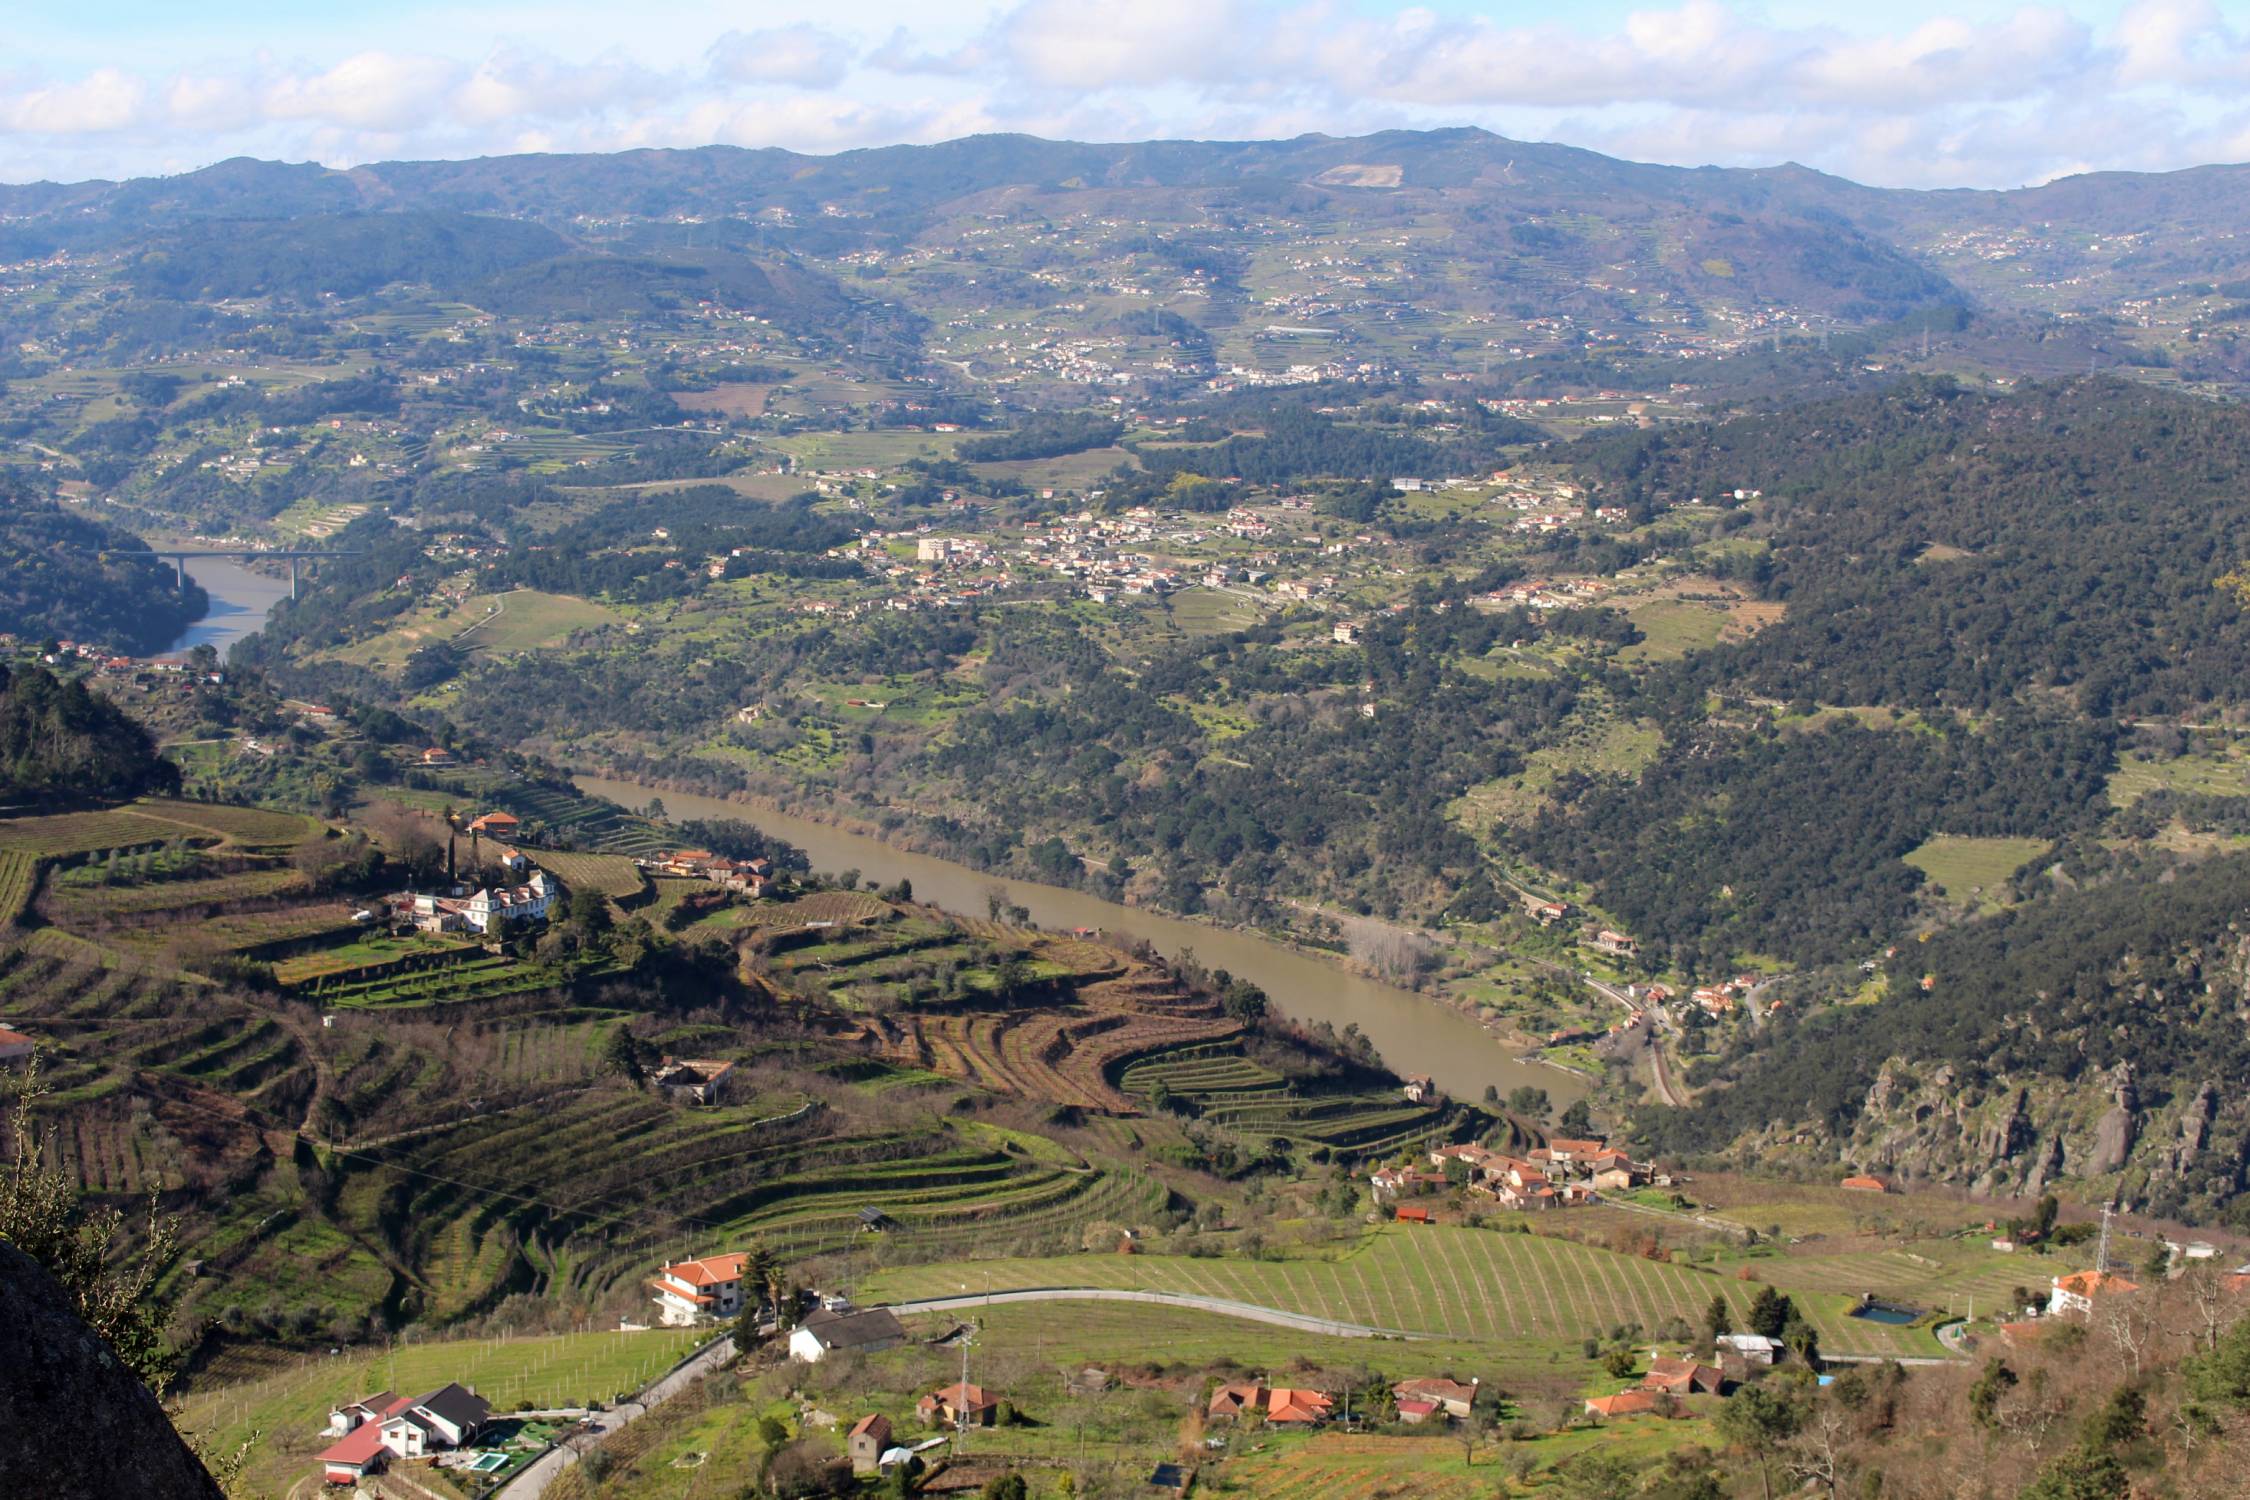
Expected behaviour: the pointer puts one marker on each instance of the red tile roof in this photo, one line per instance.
(361, 1444)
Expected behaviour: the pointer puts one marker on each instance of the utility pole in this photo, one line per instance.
(961, 1427)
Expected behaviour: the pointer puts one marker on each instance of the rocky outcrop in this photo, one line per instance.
(74, 1423)
(2010, 1134)
(2100, 1137)
(2117, 1129)
(2194, 1135)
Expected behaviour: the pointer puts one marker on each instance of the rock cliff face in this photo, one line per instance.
(2103, 1136)
(74, 1423)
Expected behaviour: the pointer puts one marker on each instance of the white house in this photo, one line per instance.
(1755, 1348)
(2076, 1293)
(408, 1426)
(490, 909)
(824, 1332)
(698, 1291)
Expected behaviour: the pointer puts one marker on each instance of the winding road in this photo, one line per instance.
(531, 1481)
(1250, 1311)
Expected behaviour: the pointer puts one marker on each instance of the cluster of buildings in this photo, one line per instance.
(1561, 1174)
(745, 877)
(375, 1429)
(1427, 1400)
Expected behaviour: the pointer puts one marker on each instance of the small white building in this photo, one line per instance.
(1755, 1348)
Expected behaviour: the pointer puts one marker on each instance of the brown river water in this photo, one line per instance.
(1414, 1034)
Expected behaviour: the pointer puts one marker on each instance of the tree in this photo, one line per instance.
(1577, 1120)
(621, 1055)
(43, 1214)
(589, 913)
(1758, 1419)
(762, 1270)
(1009, 1486)
(1802, 1338)
(1528, 1101)
(1621, 1362)
(1770, 1311)
(1718, 1320)
(1595, 1476)
(2082, 1473)
(1985, 1394)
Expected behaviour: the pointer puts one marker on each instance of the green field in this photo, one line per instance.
(1448, 1282)
(526, 620)
(1673, 628)
(867, 450)
(285, 1412)
(1201, 611)
(1973, 871)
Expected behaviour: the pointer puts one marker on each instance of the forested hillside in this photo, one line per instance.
(68, 577)
(59, 742)
(1941, 548)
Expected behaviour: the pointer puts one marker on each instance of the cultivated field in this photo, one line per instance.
(1454, 1283)
(19, 879)
(1973, 871)
(614, 875)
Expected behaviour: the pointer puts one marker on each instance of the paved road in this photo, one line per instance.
(1302, 1322)
(532, 1480)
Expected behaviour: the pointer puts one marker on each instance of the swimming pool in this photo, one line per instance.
(1884, 1312)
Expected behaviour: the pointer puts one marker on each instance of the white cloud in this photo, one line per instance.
(102, 101)
(371, 91)
(803, 55)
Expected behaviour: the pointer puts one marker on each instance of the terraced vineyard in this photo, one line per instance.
(613, 875)
(19, 881)
(1227, 1088)
(1448, 1282)
(579, 1194)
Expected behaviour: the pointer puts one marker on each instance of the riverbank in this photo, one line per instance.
(240, 599)
(1413, 1033)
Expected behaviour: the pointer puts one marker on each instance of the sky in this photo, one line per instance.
(1902, 94)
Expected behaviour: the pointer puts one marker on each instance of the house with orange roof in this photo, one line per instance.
(1233, 1399)
(868, 1440)
(15, 1046)
(699, 1291)
(1864, 1185)
(1682, 1377)
(1286, 1407)
(960, 1404)
(498, 824)
(1628, 1404)
(2077, 1292)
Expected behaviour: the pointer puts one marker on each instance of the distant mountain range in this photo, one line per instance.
(1485, 223)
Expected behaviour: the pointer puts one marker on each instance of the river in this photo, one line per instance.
(240, 600)
(1414, 1034)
